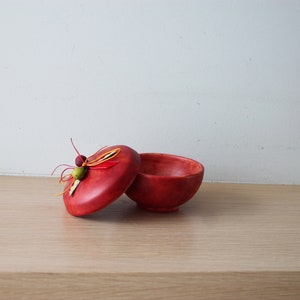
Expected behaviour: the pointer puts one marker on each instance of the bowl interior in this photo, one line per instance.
(157, 164)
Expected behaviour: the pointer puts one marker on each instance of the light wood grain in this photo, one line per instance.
(231, 241)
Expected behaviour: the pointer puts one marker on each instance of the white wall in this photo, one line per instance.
(217, 81)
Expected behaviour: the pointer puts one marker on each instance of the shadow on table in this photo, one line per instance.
(209, 202)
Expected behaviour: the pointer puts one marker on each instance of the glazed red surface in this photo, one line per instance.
(165, 181)
(101, 187)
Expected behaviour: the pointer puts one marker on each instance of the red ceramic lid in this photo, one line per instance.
(102, 183)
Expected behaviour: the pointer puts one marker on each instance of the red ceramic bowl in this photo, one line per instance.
(165, 181)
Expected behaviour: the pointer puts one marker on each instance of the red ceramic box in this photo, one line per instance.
(155, 181)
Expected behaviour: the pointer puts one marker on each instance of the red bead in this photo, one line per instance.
(80, 159)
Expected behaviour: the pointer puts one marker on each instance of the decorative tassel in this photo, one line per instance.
(83, 164)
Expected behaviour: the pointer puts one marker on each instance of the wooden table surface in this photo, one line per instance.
(231, 241)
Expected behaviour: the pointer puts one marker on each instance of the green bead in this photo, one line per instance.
(79, 173)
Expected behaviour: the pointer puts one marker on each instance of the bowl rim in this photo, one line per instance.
(201, 171)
